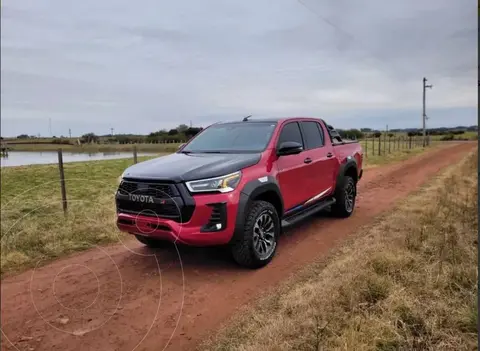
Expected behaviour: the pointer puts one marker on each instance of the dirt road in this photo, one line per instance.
(122, 297)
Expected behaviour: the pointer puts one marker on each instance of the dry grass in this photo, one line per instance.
(409, 282)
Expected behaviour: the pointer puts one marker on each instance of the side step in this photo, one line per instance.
(300, 216)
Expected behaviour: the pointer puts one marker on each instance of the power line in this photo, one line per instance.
(327, 21)
(342, 31)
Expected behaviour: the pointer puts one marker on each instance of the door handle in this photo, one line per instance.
(307, 160)
(329, 155)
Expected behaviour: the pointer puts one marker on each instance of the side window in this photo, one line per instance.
(290, 132)
(313, 133)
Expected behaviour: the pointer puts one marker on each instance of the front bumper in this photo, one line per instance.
(198, 230)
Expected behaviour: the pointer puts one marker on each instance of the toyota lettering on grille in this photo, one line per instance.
(140, 198)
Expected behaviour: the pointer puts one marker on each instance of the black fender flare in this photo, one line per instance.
(350, 163)
(249, 192)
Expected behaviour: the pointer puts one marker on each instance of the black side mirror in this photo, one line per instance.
(289, 148)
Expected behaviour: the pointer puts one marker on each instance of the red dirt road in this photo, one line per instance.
(122, 297)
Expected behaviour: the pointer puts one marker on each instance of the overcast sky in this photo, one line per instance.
(140, 66)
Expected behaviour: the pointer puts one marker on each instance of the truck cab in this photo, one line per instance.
(239, 184)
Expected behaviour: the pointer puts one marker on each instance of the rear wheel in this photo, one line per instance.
(345, 198)
(151, 242)
(258, 242)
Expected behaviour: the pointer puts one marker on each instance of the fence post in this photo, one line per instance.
(410, 142)
(62, 181)
(366, 146)
(389, 142)
(373, 145)
(134, 153)
(379, 144)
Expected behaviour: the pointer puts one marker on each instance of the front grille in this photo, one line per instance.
(170, 201)
(158, 190)
(169, 210)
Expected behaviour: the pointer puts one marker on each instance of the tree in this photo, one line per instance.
(172, 132)
(182, 128)
(390, 135)
(22, 136)
(191, 132)
(89, 138)
(377, 134)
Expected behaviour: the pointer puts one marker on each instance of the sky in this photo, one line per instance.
(140, 66)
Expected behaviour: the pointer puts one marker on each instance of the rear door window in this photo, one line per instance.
(313, 135)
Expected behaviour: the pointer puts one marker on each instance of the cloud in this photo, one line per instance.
(145, 65)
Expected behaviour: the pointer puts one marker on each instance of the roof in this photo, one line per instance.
(264, 120)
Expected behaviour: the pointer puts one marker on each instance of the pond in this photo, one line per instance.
(24, 158)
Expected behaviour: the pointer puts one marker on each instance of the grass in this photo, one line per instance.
(33, 226)
(408, 282)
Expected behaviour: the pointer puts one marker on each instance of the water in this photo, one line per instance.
(23, 158)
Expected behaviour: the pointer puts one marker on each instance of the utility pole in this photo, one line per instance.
(70, 133)
(50, 126)
(111, 129)
(424, 116)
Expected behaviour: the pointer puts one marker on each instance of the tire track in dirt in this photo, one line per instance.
(48, 308)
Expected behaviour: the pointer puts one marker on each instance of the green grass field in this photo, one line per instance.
(34, 226)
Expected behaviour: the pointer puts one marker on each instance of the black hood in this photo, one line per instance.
(180, 167)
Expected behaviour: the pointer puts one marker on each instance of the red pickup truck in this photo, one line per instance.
(238, 184)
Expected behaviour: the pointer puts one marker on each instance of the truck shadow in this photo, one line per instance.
(217, 259)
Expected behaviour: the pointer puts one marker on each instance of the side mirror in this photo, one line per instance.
(289, 148)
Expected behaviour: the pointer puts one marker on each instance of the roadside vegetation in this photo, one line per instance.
(408, 282)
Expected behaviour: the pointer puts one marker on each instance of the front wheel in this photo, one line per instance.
(345, 198)
(258, 243)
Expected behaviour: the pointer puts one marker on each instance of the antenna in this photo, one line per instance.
(245, 119)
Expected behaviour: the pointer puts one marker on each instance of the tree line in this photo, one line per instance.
(183, 133)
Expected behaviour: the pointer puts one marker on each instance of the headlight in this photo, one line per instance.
(223, 184)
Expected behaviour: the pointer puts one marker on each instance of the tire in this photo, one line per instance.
(151, 242)
(262, 225)
(345, 197)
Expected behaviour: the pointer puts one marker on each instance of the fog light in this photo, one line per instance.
(218, 226)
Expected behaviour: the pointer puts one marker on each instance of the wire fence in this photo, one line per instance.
(387, 144)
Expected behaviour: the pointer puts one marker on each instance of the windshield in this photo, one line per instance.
(232, 138)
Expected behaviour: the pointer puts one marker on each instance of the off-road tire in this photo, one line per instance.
(242, 248)
(151, 242)
(341, 208)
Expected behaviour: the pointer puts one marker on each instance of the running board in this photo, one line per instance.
(294, 219)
